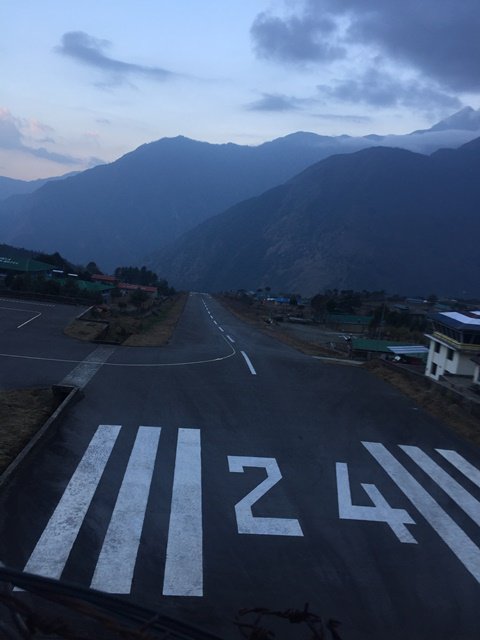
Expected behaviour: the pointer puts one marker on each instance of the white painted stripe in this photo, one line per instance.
(184, 561)
(115, 566)
(468, 470)
(222, 330)
(462, 546)
(54, 546)
(84, 372)
(465, 500)
(215, 322)
(231, 339)
(249, 364)
(31, 320)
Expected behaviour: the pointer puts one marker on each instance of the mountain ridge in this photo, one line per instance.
(378, 218)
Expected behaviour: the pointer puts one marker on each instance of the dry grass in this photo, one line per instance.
(432, 400)
(154, 330)
(83, 330)
(157, 330)
(22, 413)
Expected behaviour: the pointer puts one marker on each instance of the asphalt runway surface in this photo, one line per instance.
(227, 470)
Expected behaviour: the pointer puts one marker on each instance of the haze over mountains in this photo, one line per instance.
(138, 205)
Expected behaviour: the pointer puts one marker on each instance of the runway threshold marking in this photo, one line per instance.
(451, 533)
(249, 364)
(116, 563)
(184, 560)
(184, 565)
(53, 548)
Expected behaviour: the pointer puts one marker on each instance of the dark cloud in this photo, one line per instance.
(381, 89)
(296, 39)
(275, 102)
(90, 51)
(439, 38)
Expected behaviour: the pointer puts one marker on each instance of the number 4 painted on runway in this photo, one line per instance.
(246, 521)
(381, 512)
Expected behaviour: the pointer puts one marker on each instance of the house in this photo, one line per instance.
(23, 265)
(454, 344)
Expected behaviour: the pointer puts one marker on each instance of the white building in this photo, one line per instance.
(454, 344)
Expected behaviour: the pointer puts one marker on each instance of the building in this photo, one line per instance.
(23, 265)
(454, 344)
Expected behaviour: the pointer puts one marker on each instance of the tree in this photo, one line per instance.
(138, 297)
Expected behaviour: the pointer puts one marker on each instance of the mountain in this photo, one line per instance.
(12, 187)
(380, 218)
(120, 212)
(467, 119)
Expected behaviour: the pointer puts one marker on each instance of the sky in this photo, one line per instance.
(86, 82)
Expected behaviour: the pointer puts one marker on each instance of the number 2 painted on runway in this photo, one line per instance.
(246, 521)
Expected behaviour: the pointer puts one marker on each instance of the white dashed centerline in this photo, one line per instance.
(249, 364)
(231, 339)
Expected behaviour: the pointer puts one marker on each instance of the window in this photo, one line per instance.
(437, 347)
(433, 369)
(450, 354)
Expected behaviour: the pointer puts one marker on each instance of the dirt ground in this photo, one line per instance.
(22, 413)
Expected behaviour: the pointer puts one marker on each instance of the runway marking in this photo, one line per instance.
(153, 365)
(249, 364)
(462, 546)
(184, 561)
(256, 525)
(116, 564)
(84, 372)
(27, 321)
(231, 339)
(468, 470)
(222, 330)
(452, 488)
(381, 512)
(53, 548)
(215, 322)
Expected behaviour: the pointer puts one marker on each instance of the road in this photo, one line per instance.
(228, 470)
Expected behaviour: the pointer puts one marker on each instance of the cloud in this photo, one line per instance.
(436, 38)
(295, 39)
(275, 102)
(381, 89)
(90, 51)
(357, 119)
(13, 132)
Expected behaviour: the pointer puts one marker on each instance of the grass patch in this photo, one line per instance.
(83, 330)
(157, 329)
(22, 413)
(132, 329)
